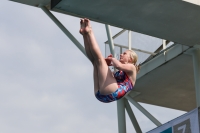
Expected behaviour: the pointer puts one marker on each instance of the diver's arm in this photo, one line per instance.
(124, 67)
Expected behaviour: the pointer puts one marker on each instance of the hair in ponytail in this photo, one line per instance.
(134, 56)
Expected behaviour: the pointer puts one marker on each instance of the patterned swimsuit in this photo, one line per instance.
(124, 86)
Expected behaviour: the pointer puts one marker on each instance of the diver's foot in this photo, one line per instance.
(85, 26)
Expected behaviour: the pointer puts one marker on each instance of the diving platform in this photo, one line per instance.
(167, 80)
(174, 20)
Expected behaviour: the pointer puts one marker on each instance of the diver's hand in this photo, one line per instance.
(108, 60)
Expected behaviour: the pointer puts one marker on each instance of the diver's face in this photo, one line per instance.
(125, 57)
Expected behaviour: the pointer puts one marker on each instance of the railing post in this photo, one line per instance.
(129, 40)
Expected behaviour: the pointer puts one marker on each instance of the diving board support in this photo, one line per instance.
(144, 111)
(196, 62)
(59, 24)
(120, 103)
(195, 52)
(132, 117)
(121, 116)
(115, 36)
(110, 40)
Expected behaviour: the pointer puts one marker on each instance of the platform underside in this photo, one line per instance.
(171, 85)
(173, 20)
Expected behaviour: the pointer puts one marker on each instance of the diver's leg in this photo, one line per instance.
(106, 81)
(95, 77)
(91, 40)
(91, 58)
(87, 49)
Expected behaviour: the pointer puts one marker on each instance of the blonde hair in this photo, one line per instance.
(134, 58)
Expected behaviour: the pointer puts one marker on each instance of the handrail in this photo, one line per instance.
(143, 51)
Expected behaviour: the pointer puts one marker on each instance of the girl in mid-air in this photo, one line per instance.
(109, 86)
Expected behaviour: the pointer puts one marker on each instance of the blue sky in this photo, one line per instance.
(46, 83)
